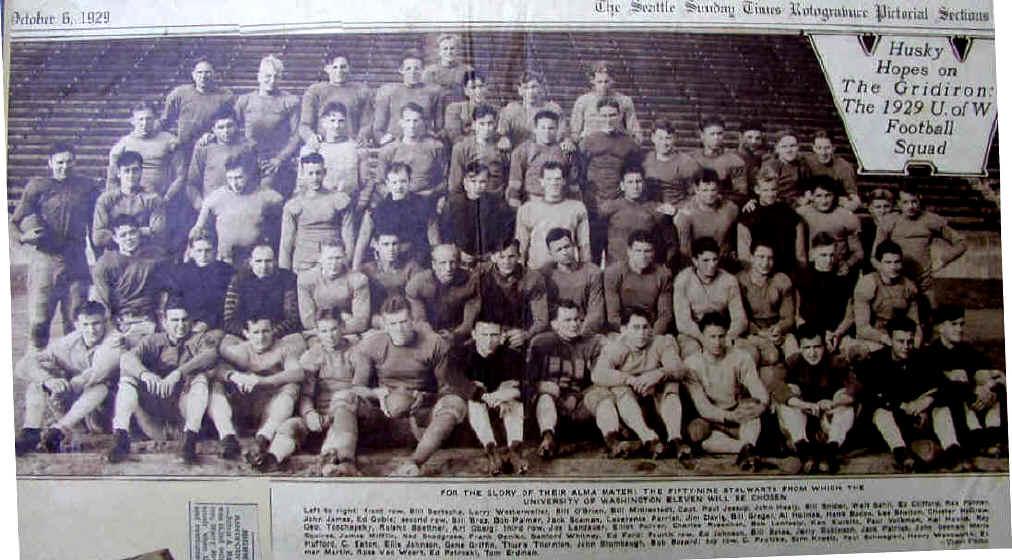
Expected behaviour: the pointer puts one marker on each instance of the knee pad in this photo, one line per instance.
(698, 430)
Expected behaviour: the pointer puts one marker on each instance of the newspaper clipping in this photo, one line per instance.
(608, 278)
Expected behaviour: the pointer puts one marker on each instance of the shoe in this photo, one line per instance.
(829, 462)
(189, 451)
(655, 449)
(341, 468)
(230, 448)
(515, 458)
(747, 459)
(120, 447)
(955, 458)
(495, 460)
(618, 449)
(407, 469)
(904, 461)
(267, 463)
(548, 447)
(52, 439)
(27, 441)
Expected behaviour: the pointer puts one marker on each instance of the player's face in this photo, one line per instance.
(235, 179)
(567, 323)
(530, 92)
(762, 260)
(474, 185)
(412, 124)
(824, 258)
(552, 182)
(336, 123)
(260, 334)
(332, 261)
(487, 337)
(880, 207)
(177, 324)
(767, 192)
(143, 122)
(313, 174)
(411, 71)
(952, 331)
(338, 70)
(329, 331)
(130, 177)
(397, 184)
(823, 149)
(706, 265)
(902, 343)
(445, 263)
(910, 205)
(664, 142)
(202, 253)
(812, 350)
(268, 77)
(638, 332)
(632, 186)
(712, 136)
(601, 83)
(387, 247)
(546, 131)
(399, 326)
(640, 255)
(562, 251)
(448, 51)
(787, 149)
(61, 164)
(713, 339)
(203, 75)
(506, 260)
(610, 116)
(752, 139)
(128, 238)
(823, 200)
(707, 193)
(261, 262)
(225, 130)
(484, 127)
(890, 266)
(91, 327)
(476, 90)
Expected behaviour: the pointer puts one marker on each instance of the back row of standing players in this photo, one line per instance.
(500, 235)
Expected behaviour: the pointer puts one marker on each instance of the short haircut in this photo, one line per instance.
(313, 157)
(488, 319)
(483, 110)
(887, 247)
(237, 161)
(332, 244)
(566, 304)
(714, 319)
(411, 54)
(901, 323)
(599, 66)
(129, 158)
(549, 165)
(784, 134)
(143, 106)
(763, 242)
(910, 188)
(821, 133)
(705, 245)
(546, 114)
(334, 107)
(766, 174)
(473, 75)
(881, 194)
(704, 175)
(609, 102)
(331, 57)
(823, 239)
(274, 61)
(413, 107)
(395, 304)
(752, 124)
(222, 114)
(385, 230)
(826, 183)
(808, 331)
(556, 234)
(448, 37)
(506, 244)
(89, 308)
(531, 76)
(201, 58)
(59, 148)
(174, 301)
(711, 120)
(666, 126)
(202, 234)
(398, 167)
(949, 312)
(450, 246)
(328, 314)
(475, 168)
(256, 317)
(123, 220)
(262, 243)
(641, 236)
(631, 167)
(630, 311)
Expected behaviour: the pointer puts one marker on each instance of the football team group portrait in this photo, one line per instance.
(470, 254)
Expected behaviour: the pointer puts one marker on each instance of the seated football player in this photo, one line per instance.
(559, 365)
(314, 216)
(770, 218)
(262, 289)
(476, 221)
(445, 299)
(256, 384)
(567, 278)
(163, 380)
(479, 147)
(408, 366)
(640, 366)
(327, 406)
(202, 282)
(72, 377)
(719, 378)
(823, 296)
(633, 211)
(639, 281)
(707, 214)
(492, 378)
(905, 398)
(768, 297)
(977, 391)
(130, 280)
(815, 404)
(513, 296)
(529, 157)
(458, 120)
(129, 199)
(825, 215)
(331, 285)
(553, 210)
(389, 272)
(411, 216)
(704, 288)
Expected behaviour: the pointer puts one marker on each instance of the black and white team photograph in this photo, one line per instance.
(467, 254)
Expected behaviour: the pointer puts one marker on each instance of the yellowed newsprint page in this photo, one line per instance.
(462, 279)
